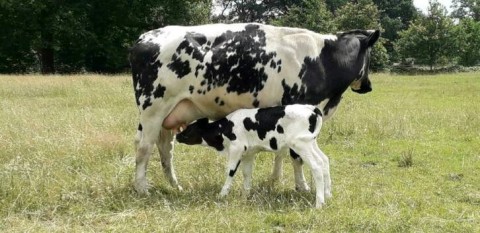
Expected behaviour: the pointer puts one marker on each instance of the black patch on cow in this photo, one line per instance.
(312, 120)
(273, 143)
(211, 133)
(140, 127)
(199, 67)
(234, 59)
(226, 128)
(191, 88)
(266, 120)
(292, 94)
(159, 91)
(256, 103)
(295, 156)
(232, 172)
(245, 148)
(221, 103)
(181, 68)
(217, 99)
(143, 59)
(280, 129)
(333, 102)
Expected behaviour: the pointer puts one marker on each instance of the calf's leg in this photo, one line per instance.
(277, 172)
(247, 168)
(326, 171)
(308, 155)
(300, 182)
(233, 161)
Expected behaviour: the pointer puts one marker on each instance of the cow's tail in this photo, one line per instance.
(144, 64)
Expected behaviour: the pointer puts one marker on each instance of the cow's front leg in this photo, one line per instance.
(165, 148)
(144, 141)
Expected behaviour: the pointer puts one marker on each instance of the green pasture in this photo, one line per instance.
(404, 158)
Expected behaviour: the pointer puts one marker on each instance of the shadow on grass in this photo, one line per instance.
(206, 195)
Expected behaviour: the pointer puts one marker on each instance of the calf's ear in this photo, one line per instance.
(372, 37)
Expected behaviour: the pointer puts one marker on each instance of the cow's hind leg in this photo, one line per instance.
(165, 148)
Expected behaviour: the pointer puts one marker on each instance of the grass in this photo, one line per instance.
(404, 158)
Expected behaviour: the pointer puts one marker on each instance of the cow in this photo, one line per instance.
(244, 132)
(184, 73)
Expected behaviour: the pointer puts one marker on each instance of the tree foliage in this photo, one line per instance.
(310, 14)
(468, 41)
(364, 15)
(395, 16)
(429, 39)
(65, 36)
(74, 36)
(466, 9)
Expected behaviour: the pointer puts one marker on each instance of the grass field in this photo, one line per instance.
(404, 158)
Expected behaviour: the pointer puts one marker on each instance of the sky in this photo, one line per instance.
(423, 4)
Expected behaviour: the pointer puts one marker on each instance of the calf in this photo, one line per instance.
(245, 132)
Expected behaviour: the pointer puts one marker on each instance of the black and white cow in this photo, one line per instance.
(181, 74)
(243, 133)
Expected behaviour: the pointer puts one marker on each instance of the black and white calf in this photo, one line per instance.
(243, 133)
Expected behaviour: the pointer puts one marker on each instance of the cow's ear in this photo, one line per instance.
(372, 37)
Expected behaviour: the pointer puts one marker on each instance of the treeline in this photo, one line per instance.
(72, 36)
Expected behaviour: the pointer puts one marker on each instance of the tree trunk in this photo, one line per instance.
(46, 53)
(47, 61)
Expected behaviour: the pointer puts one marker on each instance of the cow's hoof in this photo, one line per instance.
(302, 188)
(179, 188)
(141, 187)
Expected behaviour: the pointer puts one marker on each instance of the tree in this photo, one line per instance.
(333, 5)
(429, 39)
(311, 14)
(262, 11)
(364, 15)
(466, 9)
(468, 41)
(395, 16)
(80, 35)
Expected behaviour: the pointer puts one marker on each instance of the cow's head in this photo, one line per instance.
(359, 43)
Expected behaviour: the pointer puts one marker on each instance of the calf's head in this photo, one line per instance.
(201, 132)
(194, 133)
